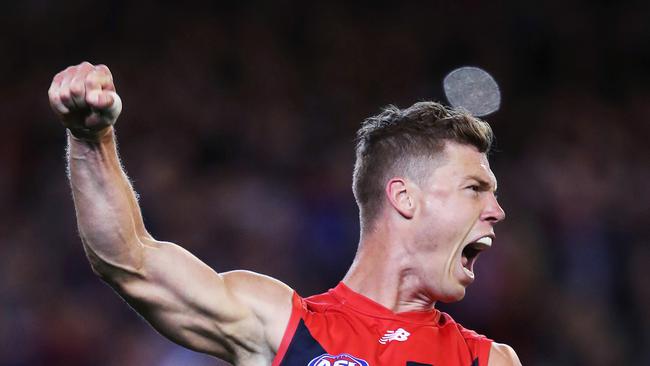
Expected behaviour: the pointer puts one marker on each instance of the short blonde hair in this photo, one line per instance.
(388, 143)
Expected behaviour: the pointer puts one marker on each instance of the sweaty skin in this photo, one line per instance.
(240, 316)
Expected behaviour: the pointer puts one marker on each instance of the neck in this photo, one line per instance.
(382, 271)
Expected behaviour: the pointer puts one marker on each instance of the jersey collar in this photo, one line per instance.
(367, 306)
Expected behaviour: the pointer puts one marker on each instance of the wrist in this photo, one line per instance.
(89, 136)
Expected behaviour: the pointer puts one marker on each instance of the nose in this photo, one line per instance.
(493, 211)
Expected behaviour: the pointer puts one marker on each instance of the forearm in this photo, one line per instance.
(108, 215)
(178, 294)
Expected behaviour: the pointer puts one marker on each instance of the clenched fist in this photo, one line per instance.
(84, 98)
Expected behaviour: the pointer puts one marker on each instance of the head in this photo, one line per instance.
(424, 169)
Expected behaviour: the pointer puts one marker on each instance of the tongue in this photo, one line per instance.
(464, 261)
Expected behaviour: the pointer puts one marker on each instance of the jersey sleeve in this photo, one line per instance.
(478, 344)
(297, 308)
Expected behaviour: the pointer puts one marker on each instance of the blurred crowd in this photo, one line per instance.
(237, 133)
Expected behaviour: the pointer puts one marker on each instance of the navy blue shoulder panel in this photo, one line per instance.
(302, 349)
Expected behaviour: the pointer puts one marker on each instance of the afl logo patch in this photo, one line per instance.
(343, 359)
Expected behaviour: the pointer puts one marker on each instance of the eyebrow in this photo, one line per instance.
(484, 184)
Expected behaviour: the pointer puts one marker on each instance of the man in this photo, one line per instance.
(427, 208)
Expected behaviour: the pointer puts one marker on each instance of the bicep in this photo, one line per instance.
(191, 304)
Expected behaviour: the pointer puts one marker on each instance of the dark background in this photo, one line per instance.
(237, 132)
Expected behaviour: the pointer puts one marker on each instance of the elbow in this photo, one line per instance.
(102, 268)
(116, 266)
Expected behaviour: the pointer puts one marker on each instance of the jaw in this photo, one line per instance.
(452, 291)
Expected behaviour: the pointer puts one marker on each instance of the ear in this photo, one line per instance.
(400, 197)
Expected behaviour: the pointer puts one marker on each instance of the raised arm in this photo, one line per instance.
(235, 316)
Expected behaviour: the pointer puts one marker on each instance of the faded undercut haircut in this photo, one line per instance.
(393, 143)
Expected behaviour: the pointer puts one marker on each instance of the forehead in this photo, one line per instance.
(463, 162)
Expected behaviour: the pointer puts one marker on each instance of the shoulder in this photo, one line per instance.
(269, 299)
(468, 334)
(503, 355)
(480, 346)
(259, 292)
(247, 281)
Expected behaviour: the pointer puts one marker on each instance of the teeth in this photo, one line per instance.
(486, 240)
(469, 273)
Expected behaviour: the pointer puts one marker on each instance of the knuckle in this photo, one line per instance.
(91, 80)
(92, 75)
(55, 101)
(64, 96)
(103, 68)
(76, 88)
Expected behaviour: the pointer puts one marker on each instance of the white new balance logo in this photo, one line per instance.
(395, 335)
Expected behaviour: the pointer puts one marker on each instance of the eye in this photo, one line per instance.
(475, 188)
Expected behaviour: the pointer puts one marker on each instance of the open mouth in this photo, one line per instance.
(471, 251)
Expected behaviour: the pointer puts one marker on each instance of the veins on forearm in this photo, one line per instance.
(102, 194)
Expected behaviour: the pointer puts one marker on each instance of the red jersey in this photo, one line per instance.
(344, 328)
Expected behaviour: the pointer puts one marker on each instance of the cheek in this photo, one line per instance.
(435, 235)
(445, 224)
(449, 216)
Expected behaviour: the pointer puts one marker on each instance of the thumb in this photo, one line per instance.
(105, 102)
